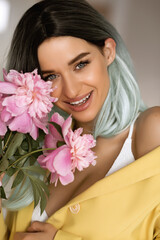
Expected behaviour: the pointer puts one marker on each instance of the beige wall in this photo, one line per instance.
(138, 22)
(17, 8)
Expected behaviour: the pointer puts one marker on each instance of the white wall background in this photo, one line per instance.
(138, 22)
(17, 8)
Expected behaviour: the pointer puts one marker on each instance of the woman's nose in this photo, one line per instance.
(71, 86)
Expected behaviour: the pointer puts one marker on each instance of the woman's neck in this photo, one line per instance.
(87, 127)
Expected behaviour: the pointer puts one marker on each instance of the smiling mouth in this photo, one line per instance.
(82, 101)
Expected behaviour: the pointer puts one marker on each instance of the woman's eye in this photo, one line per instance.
(50, 77)
(81, 65)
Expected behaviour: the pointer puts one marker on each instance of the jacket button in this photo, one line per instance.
(75, 208)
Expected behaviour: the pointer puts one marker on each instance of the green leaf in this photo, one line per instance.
(58, 127)
(35, 193)
(40, 192)
(43, 198)
(20, 163)
(4, 163)
(7, 137)
(33, 144)
(21, 151)
(43, 193)
(25, 145)
(35, 169)
(43, 186)
(36, 153)
(18, 179)
(43, 203)
(60, 143)
(32, 159)
(11, 171)
(2, 193)
(14, 144)
(41, 136)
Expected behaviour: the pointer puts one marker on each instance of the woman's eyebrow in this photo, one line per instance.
(81, 55)
(47, 71)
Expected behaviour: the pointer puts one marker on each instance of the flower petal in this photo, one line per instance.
(57, 118)
(50, 141)
(50, 159)
(41, 124)
(55, 133)
(66, 126)
(42, 161)
(7, 88)
(22, 123)
(67, 179)
(3, 128)
(62, 161)
(13, 76)
(54, 178)
(34, 131)
(5, 115)
(11, 106)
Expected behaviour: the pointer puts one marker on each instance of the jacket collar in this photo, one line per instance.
(143, 168)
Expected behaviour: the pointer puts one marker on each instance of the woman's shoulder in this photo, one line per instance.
(147, 131)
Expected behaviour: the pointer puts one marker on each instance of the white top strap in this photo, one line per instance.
(131, 130)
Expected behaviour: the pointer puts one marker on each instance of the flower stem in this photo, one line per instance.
(29, 154)
(9, 137)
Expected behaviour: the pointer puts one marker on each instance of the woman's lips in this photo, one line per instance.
(81, 103)
(77, 98)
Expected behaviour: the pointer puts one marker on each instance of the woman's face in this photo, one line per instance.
(79, 70)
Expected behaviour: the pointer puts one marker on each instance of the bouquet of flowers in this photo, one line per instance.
(30, 145)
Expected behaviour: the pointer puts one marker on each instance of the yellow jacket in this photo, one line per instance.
(122, 206)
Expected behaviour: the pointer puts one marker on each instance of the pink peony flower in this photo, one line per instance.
(58, 162)
(3, 127)
(75, 154)
(26, 102)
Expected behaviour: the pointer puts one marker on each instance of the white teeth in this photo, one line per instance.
(83, 100)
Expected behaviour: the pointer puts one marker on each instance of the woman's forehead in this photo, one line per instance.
(66, 45)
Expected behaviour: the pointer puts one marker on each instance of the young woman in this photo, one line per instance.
(73, 46)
